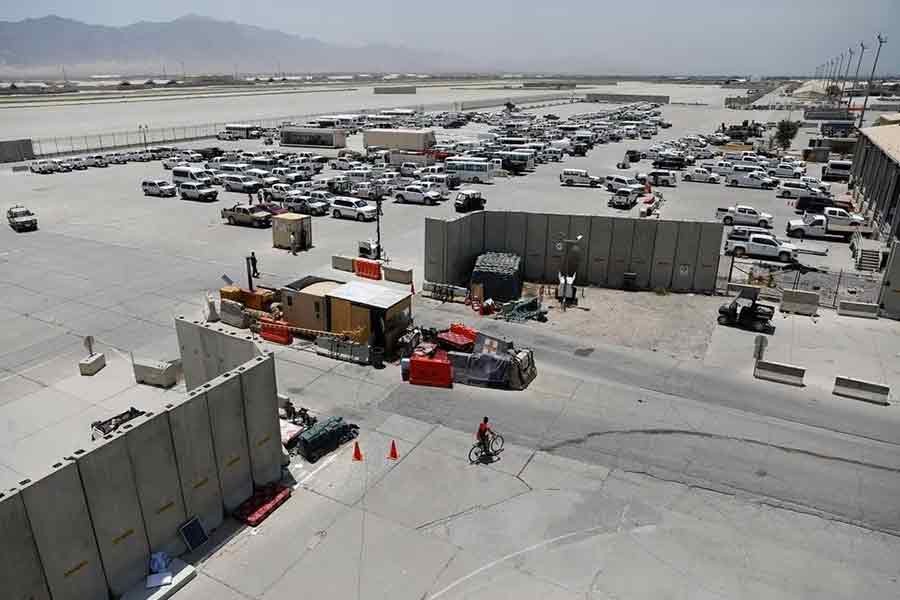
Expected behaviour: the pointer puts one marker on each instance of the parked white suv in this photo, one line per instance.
(578, 177)
(352, 208)
(701, 175)
(798, 189)
(240, 183)
(417, 193)
(158, 187)
(614, 182)
(43, 167)
(786, 170)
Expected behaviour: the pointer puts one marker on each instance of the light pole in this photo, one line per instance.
(837, 74)
(846, 72)
(378, 202)
(862, 50)
(882, 40)
(143, 129)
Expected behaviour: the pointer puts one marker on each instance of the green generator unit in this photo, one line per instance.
(325, 436)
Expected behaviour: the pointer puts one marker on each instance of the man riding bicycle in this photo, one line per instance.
(484, 436)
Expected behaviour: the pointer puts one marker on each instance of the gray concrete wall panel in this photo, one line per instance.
(557, 230)
(581, 225)
(666, 243)
(435, 245)
(20, 567)
(599, 249)
(620, 251)
(261, 414)
(686, 256)
(225, 401)
(156, 478)
(708, 256)
(516, 232)
(64, 535)
(890, 291)
(642, 252)
(108, 480)
(207, 351)
(495, 231)
(457, 244)
(192, 438)
(476, 237)
(535, 246)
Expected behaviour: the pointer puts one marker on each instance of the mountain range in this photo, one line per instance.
(42, 46)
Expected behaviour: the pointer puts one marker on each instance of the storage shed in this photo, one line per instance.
(285, 224)
(376, 314)
(303, 302)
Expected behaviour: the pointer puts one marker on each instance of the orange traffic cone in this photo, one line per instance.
(357, 453)
(393, 455)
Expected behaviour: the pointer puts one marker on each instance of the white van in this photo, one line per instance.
(257, 174)
(233, 167)
(579, 177)
(182, 174)
(359, 175)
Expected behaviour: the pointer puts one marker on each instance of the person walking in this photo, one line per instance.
(293, 243)
(253, 265)
(259, 196)
(250, 197)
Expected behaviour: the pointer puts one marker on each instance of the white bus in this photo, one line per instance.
(475, 170)
(242, 130)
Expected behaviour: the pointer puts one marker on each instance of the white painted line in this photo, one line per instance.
(494, 563)
(327, 462)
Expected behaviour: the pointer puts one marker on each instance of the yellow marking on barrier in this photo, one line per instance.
(233, 461)
(75, 569)
(165, 507)
(125, 535)
(263, 441)
(201, 483)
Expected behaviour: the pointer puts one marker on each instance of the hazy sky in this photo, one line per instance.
(637, 36)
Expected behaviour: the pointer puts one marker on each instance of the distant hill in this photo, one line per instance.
(204, 44)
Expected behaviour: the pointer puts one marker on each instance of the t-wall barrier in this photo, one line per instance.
(675, 255)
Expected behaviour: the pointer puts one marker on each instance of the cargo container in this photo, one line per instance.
(417, 140)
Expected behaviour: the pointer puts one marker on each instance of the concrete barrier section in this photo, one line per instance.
(397, 275)
(342, 263)
(860, 389)
(780, 372)
(864, 310)
(20, 569)
(800, 302)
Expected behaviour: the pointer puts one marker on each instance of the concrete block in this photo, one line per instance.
(860, 389)
(686, 256)
(155, 372)
(495, 231)
(260, 396)
(457, 246)
(342, 263)
(475, 222)
(63, 534)
(799, 302)
(864, 310)
(197, 473)
(598, 249)
(665, 245)
(232, 313)
(536, 247)
(108, 480)
(229, 435)
(780, 372)
(152, 453)
(641, 262)
(397, 275)
(92, 364)
(620, 251)
(708, 256)
(207, 351)
(182, 573)
(20, 568)
(516, 232)
(435, 246)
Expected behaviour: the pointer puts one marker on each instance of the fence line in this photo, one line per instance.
(102, 142)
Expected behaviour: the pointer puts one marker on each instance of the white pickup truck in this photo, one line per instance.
(701, 175)
(744, 215)
(762, 245)
(719, 167)
(832, 222)
(753, 179)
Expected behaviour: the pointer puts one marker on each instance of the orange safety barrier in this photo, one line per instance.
(464, 330)
(370, 269)
(433, 370)
(277, 332)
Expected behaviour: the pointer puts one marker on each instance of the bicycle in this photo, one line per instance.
(495, 447)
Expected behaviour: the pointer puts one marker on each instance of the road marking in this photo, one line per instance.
(330, 460)
(494, 563)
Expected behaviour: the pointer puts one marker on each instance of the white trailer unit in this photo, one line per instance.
(416, 140)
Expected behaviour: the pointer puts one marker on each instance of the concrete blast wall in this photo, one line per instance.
(395, 89)
(85, 528)
(208, 350)
(676, 255)
(626, 98)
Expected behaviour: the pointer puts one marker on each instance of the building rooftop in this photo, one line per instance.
(368, 294)
(888, 119)
(886, 137)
